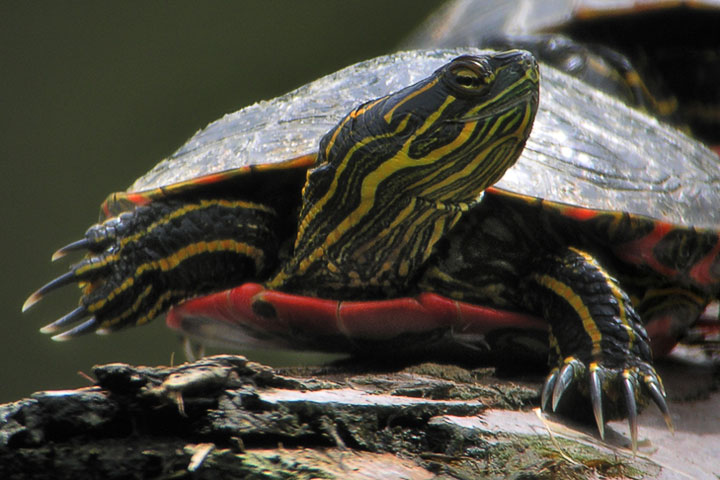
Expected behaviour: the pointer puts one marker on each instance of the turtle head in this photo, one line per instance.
(445, 138)
(398, 171)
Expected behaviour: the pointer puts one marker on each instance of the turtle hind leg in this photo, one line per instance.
(599, 348)
(672, 314)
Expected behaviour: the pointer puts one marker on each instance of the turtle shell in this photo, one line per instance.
(586, 148)
(653, 34)
(459, 22)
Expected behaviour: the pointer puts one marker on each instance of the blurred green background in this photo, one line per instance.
(93, 94)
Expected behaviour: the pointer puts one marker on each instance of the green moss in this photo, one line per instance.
(541, 457)
(262, 466)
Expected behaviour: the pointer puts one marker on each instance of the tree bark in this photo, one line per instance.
(227, 417)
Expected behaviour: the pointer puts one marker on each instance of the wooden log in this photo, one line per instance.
(227, 417)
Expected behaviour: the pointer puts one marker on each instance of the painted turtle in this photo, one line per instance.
(395, 248)
(632, 47)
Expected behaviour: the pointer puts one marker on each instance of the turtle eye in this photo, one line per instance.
(469, 76)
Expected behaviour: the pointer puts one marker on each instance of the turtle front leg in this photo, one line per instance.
(142, 262)
(599, 347)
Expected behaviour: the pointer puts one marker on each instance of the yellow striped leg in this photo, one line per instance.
(141, 263)
(602, 351)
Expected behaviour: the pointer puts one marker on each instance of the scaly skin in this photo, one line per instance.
(142, 263)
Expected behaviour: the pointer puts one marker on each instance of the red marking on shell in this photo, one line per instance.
(217, 177)
(707, 270)
(640, 251)
(579, 213)
(138, 199)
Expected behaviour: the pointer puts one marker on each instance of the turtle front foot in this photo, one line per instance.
(100, 241)
(613, 392)
(597, 341)
(140, 263)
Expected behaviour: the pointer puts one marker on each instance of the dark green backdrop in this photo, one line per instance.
(92, 94)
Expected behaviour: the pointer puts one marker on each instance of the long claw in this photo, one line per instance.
(547, 390)
(662, 388)
(83, 328)
(81, 244)
(629, 391)
(72, 317)
(596, 398)
(659, 399)
(60, 281)
(31, 300)
(564, 380)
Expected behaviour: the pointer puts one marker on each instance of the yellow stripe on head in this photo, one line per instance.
(407, 166)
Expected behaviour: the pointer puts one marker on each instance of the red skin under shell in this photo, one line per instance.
(367, 320)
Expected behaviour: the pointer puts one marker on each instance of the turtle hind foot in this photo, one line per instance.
(613, 393)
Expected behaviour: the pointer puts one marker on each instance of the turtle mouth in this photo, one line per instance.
(449, 205)
(529, 97)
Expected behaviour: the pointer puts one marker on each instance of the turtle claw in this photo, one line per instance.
(631, 405)
(72, 317)
(657, 393)
(86, 269)
(82, 244)
(86, 327)
(613, 392)
(60, 281)
(31, 300)
(596, 397)
(97, 238)
(547, 389)
(568, 374)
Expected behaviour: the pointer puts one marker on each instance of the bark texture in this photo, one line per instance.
(227, 417)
